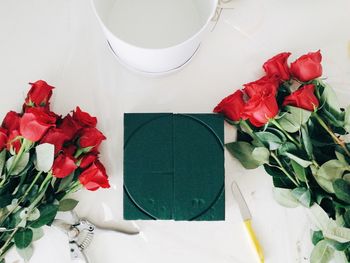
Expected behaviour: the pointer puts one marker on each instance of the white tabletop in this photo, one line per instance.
(60, 41)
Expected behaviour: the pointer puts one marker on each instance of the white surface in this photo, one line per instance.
(60, 41)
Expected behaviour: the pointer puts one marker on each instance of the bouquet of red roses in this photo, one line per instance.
(290, 122)
(43, 158)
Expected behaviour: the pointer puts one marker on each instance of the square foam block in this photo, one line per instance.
(174, 167)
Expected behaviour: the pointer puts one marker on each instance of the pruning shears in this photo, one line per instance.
(80, 234)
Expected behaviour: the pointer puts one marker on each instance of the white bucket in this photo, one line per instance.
(154, 36)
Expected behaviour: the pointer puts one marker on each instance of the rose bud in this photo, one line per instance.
(39, 94)
(84, 119)
(56, 137)
(63, 166)
(91, 139)
(3, 138)
(87, 159)
(232, 106)
(11, 121)
(35, 122)
(261, 108)
(277, 66)
(266, 83)
(303, 98)
(94, 177)
(307, 67)
(70, 127)
(14, 142)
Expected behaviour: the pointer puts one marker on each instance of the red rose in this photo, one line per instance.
(307, 67)
(94, 177)
(87, 159)
(39, 94)
(84, 118)
(261, 108)
(262, 85)
(56, 137)
(70, 150)
(91, 137)
(14, 142)
(63, 166)
(303, 98)
(35, 122)
(232, 106)
(11, 121)
(69, 126)
(277, 66)
(3, 138)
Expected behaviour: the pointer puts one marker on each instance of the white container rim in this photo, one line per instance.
(191, 38)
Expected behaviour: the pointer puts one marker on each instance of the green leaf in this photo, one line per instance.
(47, 215)
(319, 217)
(347, 218)
(303, 195)
(337, 245)
(65, 182)
(330, 99)
(243, 151)
(332, 170)
(322, 253)
(37, 233)
(324, 183)
(280, 180)
(299, 171)
(287, 147)
(340, 257)
(294, 118)
(23, 238)
(342, 190)
(278, 133)
(2, 160)
(347, 119)
(44, 157)
(341, 158)
(67, 205)
(21, 164)
(346, 177)
(26, 253)
(269, 139)
(5, 200)
(34, 214)
(285, 198)
(317, 236)
(337, 233)
(302, 162)
(306, 141)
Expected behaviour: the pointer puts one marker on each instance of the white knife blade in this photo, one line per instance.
(245, 213)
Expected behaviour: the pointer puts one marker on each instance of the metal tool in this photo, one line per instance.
(80, 234)
(247, 219)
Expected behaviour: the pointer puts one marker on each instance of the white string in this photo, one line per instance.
(220, 7)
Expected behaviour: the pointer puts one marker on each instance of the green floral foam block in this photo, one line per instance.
(174, 166)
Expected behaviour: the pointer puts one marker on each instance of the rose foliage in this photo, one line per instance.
(290, 122)
(44, 157)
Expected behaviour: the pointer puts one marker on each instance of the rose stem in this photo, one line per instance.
(283, 169)
(274, 122)
(24, 145)
(331, 133)
(22, 197)
(30, 208)
(251, 133)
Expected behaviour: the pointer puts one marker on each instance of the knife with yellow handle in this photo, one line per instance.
(247, 218)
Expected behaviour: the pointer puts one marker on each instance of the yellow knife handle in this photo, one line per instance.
(258, 248)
